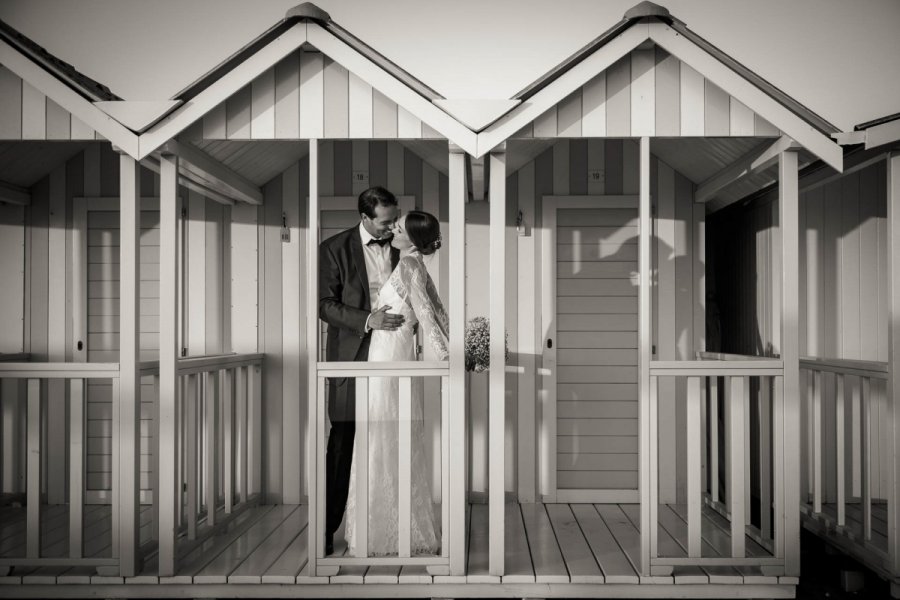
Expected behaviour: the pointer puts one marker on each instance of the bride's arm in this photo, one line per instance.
(425, 302)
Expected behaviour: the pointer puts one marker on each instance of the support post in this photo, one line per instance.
(129, 357)
(497, 376)
(314, 390)
(644, 341)
(168, 361)
(789, 224)
(456, 496)
(893, 382)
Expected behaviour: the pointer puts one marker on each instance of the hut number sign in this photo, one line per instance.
(361, 178)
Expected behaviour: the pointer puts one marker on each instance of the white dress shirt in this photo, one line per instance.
(378, 266)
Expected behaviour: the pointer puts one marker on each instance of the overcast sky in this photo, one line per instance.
(838, 57)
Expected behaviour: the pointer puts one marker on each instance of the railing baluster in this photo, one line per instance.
(154, 460)
(242, 397)
(817, 440)
(765, 455)
(362, 466)
(693, 436)
(209, 396)
(445, 465)
(653, 426)
(405, 466)
(33, 468)
(190, 401)
(856, 435)
(778, 463)
(866, 418)
(839, 450)
(228, 428)
(714, 438)
(317, 517)
(738, 389)
(76, 467)
(746, 411)
(254, 427)
(179, 450)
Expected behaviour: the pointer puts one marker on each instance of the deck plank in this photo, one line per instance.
(415, 574)
(286, 567)
(219, 568)
(252, 568)
(479, 550)
(629, 538)
(549, 566)
(350, 574)
(613, 563)
(677, 528)
(668, 547)
(382, 574)
(580, 561)
(518, 567)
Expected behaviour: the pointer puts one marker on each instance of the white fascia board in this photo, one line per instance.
(68, 99)
(137, 115)
(882, 134)
(224, 88)
(753, 97)
(559, 89)
(391, 87)
(476, 113)
(758, 159)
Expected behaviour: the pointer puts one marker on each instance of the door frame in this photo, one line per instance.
(547, 381)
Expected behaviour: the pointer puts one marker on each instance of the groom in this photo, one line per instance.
(353, 265)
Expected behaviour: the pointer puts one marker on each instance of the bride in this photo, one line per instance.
(409, 291)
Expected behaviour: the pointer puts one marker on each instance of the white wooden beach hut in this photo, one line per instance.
(847, 336)
(595, 464)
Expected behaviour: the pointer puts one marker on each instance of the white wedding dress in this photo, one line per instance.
(410, 292)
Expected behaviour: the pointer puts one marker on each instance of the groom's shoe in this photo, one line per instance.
(329, 544)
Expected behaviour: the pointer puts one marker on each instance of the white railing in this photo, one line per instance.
(840, 396)
(407, 373)
(23, 546)
(723, 540)
(217, 454)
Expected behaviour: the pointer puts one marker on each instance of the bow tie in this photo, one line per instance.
(381, 242)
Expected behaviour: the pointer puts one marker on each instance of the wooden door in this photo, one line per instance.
(95, 255)
(589, 427)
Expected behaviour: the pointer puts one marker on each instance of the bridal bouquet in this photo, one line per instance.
(478, 345)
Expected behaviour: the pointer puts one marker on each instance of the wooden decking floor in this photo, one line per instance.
(850, 537)
(551, 550)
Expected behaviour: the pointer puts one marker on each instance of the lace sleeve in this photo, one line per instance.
(425, 302)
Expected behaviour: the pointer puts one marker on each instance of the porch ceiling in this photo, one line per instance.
(24, 163)
(258, 161)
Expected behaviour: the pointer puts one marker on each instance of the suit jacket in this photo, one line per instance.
(344, 304)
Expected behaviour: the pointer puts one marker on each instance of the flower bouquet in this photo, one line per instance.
(478, 345)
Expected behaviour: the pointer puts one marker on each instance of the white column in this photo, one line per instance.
(456, 496)
(788, 203)
(497, 376)
(315, 536)
(644, 341)
(129, 398)
(168, 360)
(893, 383)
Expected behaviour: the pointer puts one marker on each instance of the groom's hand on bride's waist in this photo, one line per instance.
(382, 319)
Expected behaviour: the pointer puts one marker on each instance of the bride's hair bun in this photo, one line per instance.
(424, 231)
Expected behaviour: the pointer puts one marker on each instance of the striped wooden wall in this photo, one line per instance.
(27, 114)
(281, 308)
(308, 95)
(12, 273)
(649, 92)
(843, 295)
(48, 327)
(570, 167)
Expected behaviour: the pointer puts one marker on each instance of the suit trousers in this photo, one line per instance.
(338, 460)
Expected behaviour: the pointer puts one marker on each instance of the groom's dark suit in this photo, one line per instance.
(344, 304)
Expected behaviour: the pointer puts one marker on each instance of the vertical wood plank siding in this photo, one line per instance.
(842, 287)
(648, 92)
(27, 114)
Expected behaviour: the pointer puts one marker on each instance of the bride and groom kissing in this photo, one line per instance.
(373, 292)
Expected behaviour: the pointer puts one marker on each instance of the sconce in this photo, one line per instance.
(521, 228)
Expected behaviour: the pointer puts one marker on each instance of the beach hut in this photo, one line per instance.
(163, 405)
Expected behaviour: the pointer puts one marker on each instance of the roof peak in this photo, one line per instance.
(647, 9)
(308, 10)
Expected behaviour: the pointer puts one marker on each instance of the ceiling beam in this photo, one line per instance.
(152, 163)
(760, 158)
(14, 194)
(203, 169)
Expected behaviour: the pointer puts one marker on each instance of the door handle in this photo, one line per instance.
(549, 342)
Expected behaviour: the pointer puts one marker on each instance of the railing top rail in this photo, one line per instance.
(58, 370)
(698, 368)
(198, 364)
(383, 369)
(15, 357)
(732, 357)
(865, 368)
